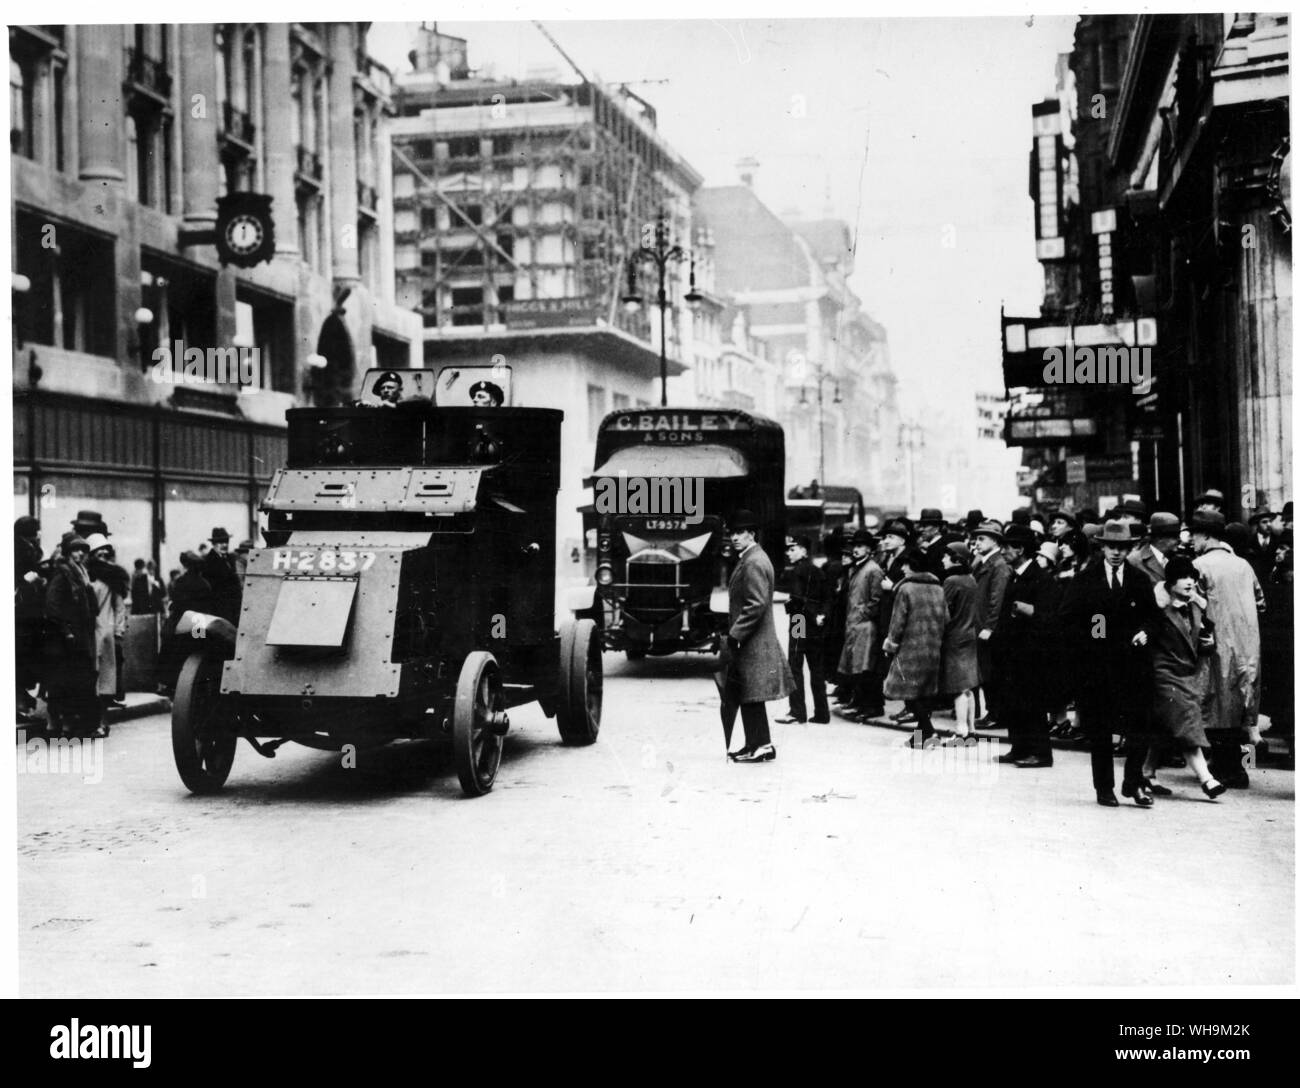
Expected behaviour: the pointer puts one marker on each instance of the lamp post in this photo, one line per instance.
(663, 252)
(821, 377)
(911, 436)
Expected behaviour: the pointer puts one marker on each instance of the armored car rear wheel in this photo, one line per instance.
(203, 726)
(582, 678)
(478, 723)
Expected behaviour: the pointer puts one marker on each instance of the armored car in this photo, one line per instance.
(405, 589)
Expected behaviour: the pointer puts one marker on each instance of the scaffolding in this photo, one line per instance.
(513, 199)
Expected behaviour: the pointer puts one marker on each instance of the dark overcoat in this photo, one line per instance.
(915, 637)
(992, 576)
(862, 628)
(960, 665)
(70, 611)
(759, 666)
(1113, 675)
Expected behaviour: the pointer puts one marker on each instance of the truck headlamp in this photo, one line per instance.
(604, 575)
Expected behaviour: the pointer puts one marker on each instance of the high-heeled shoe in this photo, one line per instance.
(1217, 790)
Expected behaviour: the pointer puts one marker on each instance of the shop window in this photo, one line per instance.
(266, 323)
(72, 300)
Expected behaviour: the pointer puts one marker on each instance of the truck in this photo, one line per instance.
(665, 483)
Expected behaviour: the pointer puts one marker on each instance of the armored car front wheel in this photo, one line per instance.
(582, 678)
(203, 726)
(478, 723)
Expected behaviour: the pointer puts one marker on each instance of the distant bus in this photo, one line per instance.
(816, 510)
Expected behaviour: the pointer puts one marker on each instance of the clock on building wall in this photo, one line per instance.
(245, 229)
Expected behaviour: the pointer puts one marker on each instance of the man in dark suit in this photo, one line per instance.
(806, 609)
(221, 575)
(756, 669)
(1108, 612)
(932, 536)
(991, 575)
(1022, 702)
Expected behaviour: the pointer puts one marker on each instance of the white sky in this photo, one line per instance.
(947, 101)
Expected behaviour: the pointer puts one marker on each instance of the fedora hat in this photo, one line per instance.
(931, 516)
(989, 528)
(1208, 521)
(1116, 532)
(742, 519)
(1019, 535)
(863, 536)
(898, 527)
(1164, 525)
(1262, 514)
(1211, 495)
(219, 536)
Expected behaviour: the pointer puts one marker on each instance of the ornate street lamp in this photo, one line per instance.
(661, 254)
(821, 378)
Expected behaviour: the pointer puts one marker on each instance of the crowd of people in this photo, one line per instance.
(1132, 633)
(71, 615)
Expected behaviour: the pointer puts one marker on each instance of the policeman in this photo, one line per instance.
(806, 608)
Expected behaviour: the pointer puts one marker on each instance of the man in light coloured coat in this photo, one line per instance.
(1231, 590)
(757, 669)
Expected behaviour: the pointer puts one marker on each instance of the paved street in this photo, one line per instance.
(645, 862)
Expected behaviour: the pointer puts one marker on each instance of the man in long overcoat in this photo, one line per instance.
(1108, 615)
(991, 574)
(1022, 700)
(1232, 592)
(860, 658)
(757, 670)
(70, 655)
(806, 608)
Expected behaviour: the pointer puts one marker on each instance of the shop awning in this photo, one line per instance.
(704, 460)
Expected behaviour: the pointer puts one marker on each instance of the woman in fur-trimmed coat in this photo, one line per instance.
(915, 639)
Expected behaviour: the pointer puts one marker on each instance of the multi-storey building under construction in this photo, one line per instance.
(507, 193)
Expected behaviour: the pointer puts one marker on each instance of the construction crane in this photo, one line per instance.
(624, 83)
(560, 49)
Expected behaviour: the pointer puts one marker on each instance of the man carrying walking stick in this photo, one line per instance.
(754, 670)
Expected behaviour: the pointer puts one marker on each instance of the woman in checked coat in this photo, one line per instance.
(915, 640)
